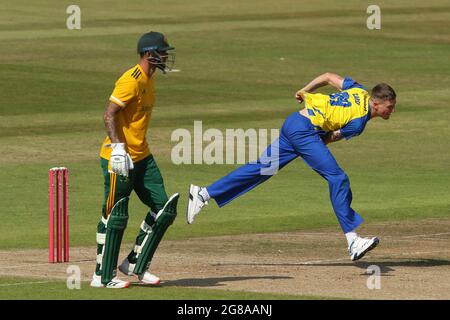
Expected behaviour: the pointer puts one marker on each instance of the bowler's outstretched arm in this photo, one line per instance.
(327, 78)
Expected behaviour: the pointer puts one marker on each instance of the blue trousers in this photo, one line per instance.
(297, 139)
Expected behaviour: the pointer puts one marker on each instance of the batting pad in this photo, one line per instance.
(115, 227)
(155, 233)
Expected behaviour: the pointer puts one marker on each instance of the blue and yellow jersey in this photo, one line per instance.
(347, 110)
(134, 92)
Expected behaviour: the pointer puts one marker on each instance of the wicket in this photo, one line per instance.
(58, 191)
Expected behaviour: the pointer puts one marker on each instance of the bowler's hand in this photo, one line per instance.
(332, 136)
(120, 160)
(300, 96)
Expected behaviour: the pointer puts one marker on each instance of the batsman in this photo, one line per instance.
(128, 164)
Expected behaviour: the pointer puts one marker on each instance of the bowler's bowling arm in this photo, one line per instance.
(327, 78)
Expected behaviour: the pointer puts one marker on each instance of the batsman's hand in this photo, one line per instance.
(120, 160)
(300, 96)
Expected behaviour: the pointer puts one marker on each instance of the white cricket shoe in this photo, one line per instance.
(127, 268)
(195, 204)
(360, 246)
(115, 283)
(148, 278)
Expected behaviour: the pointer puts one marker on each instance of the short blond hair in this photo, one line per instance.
(383, 91)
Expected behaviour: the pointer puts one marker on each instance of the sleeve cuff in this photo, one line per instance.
(348, 83)
(117, 101)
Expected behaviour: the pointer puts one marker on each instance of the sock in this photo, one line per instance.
(204, 193)
(351, 236)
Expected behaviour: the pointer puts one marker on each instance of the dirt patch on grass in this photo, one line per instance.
(413, 259)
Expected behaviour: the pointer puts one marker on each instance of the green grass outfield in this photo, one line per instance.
(25, 289)
(241, 63)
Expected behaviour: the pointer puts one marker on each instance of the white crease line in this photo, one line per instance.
(421, 239)
(300, 263)
(271, 264)
(47, 263)
(422, 252)
(23, 283)
(425, 235)
(376, 256)
(322, 261)
(55, 279)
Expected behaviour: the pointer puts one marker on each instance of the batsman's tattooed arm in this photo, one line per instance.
(110, 121)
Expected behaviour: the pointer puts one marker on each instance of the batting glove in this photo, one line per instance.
(120, 160)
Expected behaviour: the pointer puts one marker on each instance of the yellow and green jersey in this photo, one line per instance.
(134, 92)
(347, 110)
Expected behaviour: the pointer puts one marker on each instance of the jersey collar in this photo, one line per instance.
(142, 72)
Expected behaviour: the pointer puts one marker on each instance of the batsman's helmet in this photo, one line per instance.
(156, 43)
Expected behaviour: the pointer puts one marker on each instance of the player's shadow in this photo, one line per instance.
(215, 282)
(385, 266)
(388, 266)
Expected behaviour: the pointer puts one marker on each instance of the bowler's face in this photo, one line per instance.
(385, 108)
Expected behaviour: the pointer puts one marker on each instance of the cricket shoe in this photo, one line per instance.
(127, 268)
(115, 283)
(195, 204)
(360, 246)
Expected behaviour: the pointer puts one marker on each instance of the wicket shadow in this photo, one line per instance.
(215, 282)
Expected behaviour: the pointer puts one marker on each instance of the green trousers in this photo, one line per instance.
(146, 180)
